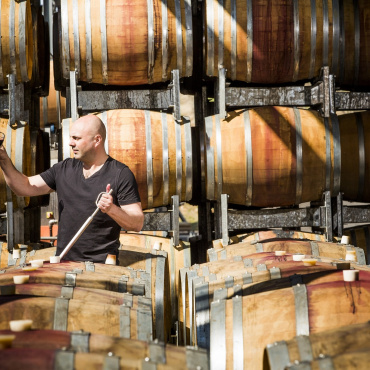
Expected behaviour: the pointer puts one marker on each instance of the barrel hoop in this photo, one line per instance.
(313, 38)
(13, 65)
(296, 39)
(360, 256)
(249, 40)
(248, 262)
(104, 46)
(342, 42)
(275, 273)
(1, 58)
(299, 155)
(173, 294)
(314, 249)
(259, 247)
(337, 155)
(193, 280)
(80, 341)
(164, 40)
(278, 354)
(124, 322)
(22, 25)
(150, 40)
(128, 299)
(202, 314)
(67, 292)
(336, 34)
(159, 296)
(145, 324)
(178, 36)
(218, 335)
(205, 271)
(361, 155)
(304, 347)
(210, 38)
(149, 157)
(219, 294)
(148, 365)
(157, 352)
(70, 279)
(210, 156)
(238, 348)
(357, 41)
(23, 256)
(9, 131)
(196, 358)
(219, 156)
(61, 314)
(212, 254)
(220, 16)
(249, 153)
(122, 284)
(261, 267)
(64, 360)
(148, 269)
(88, 40)
(328, 155)
(19, 140)
(301, 309)
(65, 40)
(233, 39)
(76, 37)
(229, 281)
(65, 139)
(178, 160)
(165, 156)
(189, 38)
(367, 240)
(325, 363)
(188, 161)
(111, 362)
(183, 273)
(325, 52)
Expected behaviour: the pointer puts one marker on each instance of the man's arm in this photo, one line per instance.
(130, 217)
(20, 184)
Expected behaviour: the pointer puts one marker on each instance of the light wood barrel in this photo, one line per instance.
(71, 314)
(17, 145)
(360, 237)
(276, 42)
(16, 41)
(117, 43)
(87, 351)
(279, 156)
(351, 338)
(242, 327)
(156, 149)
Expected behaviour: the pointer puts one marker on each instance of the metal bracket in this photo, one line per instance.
(329, 217)
(73, 78)
(175, 85)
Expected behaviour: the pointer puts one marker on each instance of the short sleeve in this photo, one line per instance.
(49, 176)
(127, 188)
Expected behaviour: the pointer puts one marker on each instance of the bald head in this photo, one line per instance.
(92, 125)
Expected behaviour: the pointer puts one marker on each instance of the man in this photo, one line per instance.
(78, 181)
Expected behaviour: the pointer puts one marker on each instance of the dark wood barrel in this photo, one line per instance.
(41, 349)
(279, 156)
(156, 149)
(18, 147)
(266, 42)
(241, 327)
(119, 43)
(346, 339)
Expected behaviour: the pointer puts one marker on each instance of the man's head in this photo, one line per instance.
(87, 137)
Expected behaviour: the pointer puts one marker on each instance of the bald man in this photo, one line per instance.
(78, 181)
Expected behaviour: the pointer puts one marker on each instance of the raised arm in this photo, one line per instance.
(20, 184)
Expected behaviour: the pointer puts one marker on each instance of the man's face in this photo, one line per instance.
(81, 141)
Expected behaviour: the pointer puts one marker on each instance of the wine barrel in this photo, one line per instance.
(328, 343)
(277, 42)
(360, 237)
(71, 314)
(91, 351)
(117, 43)
(16, 41)
(278, 156)
(156, 149)
(17, 145)
(308, 247)
(241, 327)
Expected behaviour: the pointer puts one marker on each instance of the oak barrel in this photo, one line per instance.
(279, 156)
(271, 42)
(124, 43)
(17, 145)
(360, 237)
(241, 327)
(307, 348)
(16, 41)
(156, 149)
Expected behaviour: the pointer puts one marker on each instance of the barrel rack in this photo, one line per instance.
(80, 102)
(329, 215)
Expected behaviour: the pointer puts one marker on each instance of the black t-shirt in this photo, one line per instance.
(76, 202)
